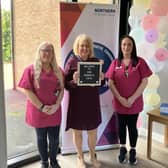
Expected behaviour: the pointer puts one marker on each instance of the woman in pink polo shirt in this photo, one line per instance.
(128, 77)
(43, 85)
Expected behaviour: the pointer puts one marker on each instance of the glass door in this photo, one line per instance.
(21, 143)
(3, 150)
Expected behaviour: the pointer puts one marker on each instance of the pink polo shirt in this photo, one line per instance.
(127, 85)
(46, 93)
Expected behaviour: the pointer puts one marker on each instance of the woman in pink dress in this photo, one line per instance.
(84, 104)
(128, 77)
(43, 85)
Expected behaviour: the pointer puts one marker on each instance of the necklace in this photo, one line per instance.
(126, 71)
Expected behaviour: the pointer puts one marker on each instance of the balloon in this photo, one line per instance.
(159, 65)
(142, 3)
(153, 82)
(137, 34)
(166, 38)
(159, 7)
(152, 99)
(139, 122)
(146, 50)
(161, 54)
(161, 43)
(151, 35)
(152, 66)
(163, 24)
(136, 11)
(147, 108)
(133, 21)
(149, 22)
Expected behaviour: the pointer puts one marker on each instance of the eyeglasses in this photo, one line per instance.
(46, 50)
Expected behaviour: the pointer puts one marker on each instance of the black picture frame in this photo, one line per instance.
(89, 73)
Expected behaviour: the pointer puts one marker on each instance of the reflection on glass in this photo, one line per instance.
(20, 137)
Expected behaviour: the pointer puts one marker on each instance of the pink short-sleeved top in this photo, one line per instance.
(49, 85)
(127, 84)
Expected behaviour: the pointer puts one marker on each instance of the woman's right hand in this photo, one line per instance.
(53, 109)
(124, 101)
(76, 76)
(46, 109)
(50, 109)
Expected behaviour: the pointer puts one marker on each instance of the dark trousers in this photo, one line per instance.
(48, 147)
(128, 121)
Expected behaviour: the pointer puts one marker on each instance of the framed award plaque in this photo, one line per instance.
(89, 73)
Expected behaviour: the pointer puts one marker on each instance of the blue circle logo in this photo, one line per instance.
(103, 53)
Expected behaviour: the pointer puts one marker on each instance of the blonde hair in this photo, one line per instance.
(53, 64)
(83, 37)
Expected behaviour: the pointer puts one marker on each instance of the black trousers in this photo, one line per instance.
(53, 137)
(128, 121)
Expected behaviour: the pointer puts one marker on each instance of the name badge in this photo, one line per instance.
(119, 67)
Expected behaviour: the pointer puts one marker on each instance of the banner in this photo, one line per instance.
(101, 23)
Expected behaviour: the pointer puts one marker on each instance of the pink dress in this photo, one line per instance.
(49, 85)
(126, 85)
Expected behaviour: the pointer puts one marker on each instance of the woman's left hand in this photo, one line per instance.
(130, 101)
(53, 109)
(102, 76)
(46, 109)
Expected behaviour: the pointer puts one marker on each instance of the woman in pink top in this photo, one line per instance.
(43, 85)
(127, 80)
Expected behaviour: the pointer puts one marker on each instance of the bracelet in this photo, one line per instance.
(41, 107)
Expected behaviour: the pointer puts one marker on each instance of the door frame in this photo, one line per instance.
(3, 142)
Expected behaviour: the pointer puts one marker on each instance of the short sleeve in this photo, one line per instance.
(27, 79)
(63, 75)
(110, 71)
(62, 71)
(144, 69)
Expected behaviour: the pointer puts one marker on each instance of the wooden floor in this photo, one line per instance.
(108, 158)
